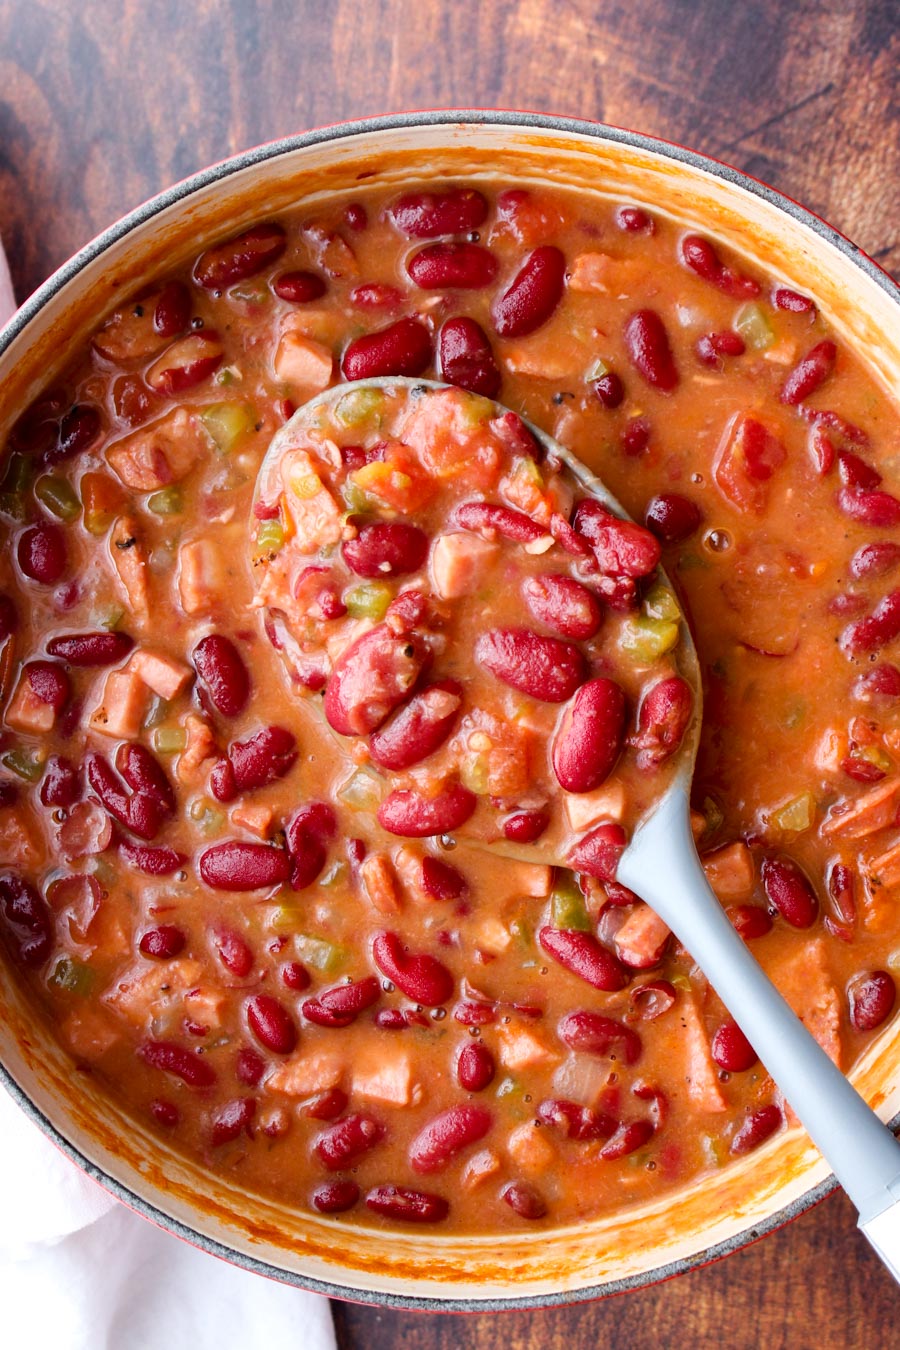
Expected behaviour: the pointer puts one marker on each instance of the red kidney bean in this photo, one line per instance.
(425, 215)
(41, 553)
(406, 611)
(174, 1059)
(342, 1004)
(249, 1067)
(371, 678)
(221, 668)
(466, 359)
(375, 295)
(412, 814)
(440, 267)
(634, 220)
(757, 1127)
(583, 955)
(628, 1138)
(234, 953)
(165, 1113)
(307, 835)
(593, 1034)
(750, 921)
(266, 756)
(546, 668)
(861, 770)
(790, 891)
(874, 560)
(489, 519)
(526, 826)
(145, 775)
(27, 920)
(874, 631)
(881, 682)
(163, 942)
(440, 880)
(524, 1200)
(786, 299)
(533, 294)
(653, 998)
(809, 373)
(475, 1014)
(609, 389)
(663, 717)
(91, 649)
(647, 344)
(575, 1121)
(518, 439)
(356, 216)
(391, 1019)
(326, 1105)
(241, 257)
(420, 977)
(855, 472)
(347, 1140)
(299, 288)
(61, 784)
(231, 1120)
(172, 311)
(589, 740)
(621, 548)
(141, 812)
(880, 509)
(672, 517)
(154, 862)
(9, 619)
(49, 683)
(404, 348)
(872, 995)
(731, 1050)
(294, 975)
(701, 257)
(475, 1067)
(712, 347)
(239, 865)
(386, 549)
(598, 853)
(447, 1135)
(635, 437)
(77, 430)
(187, 362)
(840, 889)
(335, 1197)
(419, 727)
(563, 604)
(407, 1206)
(271, 1024)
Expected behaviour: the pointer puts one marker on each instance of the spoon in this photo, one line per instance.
(661, 864)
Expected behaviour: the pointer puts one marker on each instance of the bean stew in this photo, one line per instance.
(261, 750)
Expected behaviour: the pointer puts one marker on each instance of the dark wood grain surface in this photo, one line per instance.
(104, 102)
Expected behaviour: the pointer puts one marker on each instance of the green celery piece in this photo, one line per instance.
(72, 977)
(567, 907)
(59, 497)
(269, 536)
(796, 815)
(169, 740)
(27, 764)
(369, 600)
(660, 603)
(320, 953)
(18, 476)
(358, 406)
(647, 639)
(362, 791)
(168, 502)
(753, 326)
(474, 775)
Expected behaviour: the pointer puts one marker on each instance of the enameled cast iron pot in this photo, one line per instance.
(415, 1269)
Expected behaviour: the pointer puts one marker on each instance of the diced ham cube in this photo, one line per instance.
(129, 558)
(522, 1048)
(122, 708)
(201, 575)
(89, 1033)
(701, 1074)
(599, 274)
(306, 1073)
(530, 1149)
(540, 358)
(27, 712)
(384, 1075)
(153, 990)
(870, 812)
(160, 673)
(584, 809)
(204, 1006)
(642, 937)
(380, 883)
(730, 872)
(408, 867)
(458, 563)
(200, 746)
(314, 517)
(479, 1168)
(304, 364)
(161, 453)
(253, 816)
(491, 935)
(18, 839)
(805, 980)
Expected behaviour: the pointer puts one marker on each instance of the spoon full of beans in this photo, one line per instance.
(498, 652)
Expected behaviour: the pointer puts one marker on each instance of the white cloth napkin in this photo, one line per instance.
(79, 1271)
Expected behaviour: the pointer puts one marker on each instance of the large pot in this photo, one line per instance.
(713, 1216)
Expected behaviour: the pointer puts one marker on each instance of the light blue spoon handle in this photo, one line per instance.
(662, 866)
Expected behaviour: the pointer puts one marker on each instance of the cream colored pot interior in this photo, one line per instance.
(417, 1265)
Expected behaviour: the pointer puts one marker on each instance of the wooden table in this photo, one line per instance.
(102, 104)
